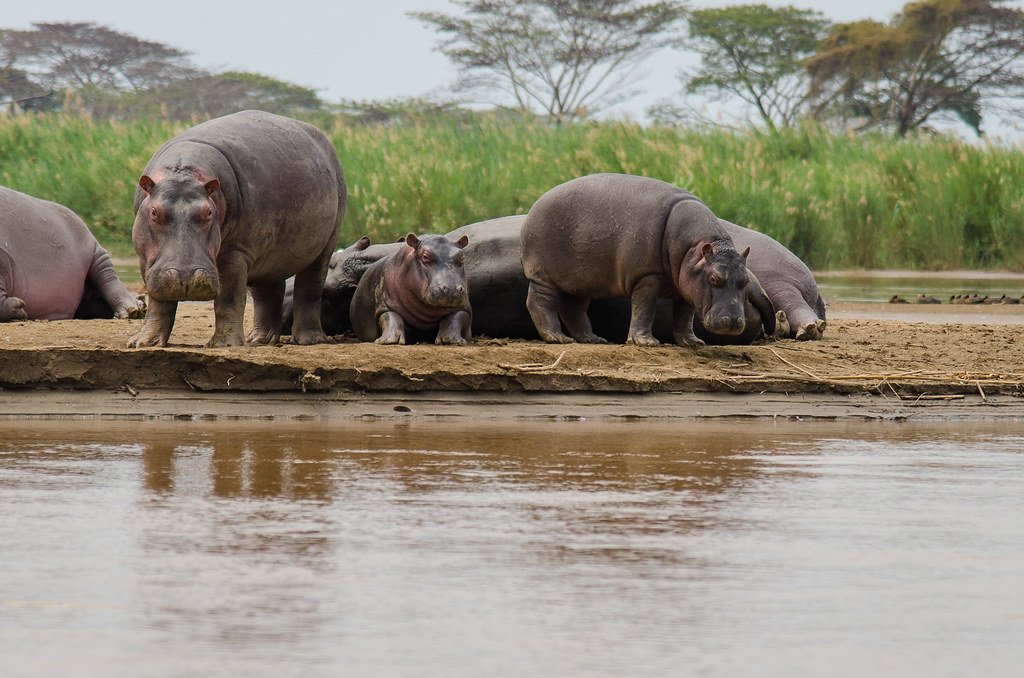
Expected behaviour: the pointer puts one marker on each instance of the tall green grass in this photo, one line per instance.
(836, 200)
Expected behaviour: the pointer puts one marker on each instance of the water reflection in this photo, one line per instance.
(475, 548)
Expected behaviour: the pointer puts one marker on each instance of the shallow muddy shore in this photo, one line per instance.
(884, 366)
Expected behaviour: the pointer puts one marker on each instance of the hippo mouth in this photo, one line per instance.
(724, 324)
(171, 284)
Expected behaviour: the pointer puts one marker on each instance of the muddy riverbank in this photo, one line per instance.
(900, 361)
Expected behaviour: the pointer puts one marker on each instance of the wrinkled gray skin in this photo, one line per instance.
(418, 289)
(51, 266)
(247, 199)
(786, 280)
(609, 236)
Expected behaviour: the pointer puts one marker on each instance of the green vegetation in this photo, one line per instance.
(837, 200)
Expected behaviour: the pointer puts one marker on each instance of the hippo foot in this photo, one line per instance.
(144, 340)
(450, 341)
(264, 336)
(552, 338)
(811, 331)
(309, 337)
(12, 308)
(782, 329)
(132, 309)
(223, 341)
(690, 340)
(642, 340)
(591, 338)
(390, 339)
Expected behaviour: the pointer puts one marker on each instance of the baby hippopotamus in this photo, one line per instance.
(607, 236)
(422, 286)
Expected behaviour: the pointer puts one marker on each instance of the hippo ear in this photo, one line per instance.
(146, 184)
(745, 252)
(707, 250)
(412, 241)
(361, 244)
(211, 186)
(463, 241)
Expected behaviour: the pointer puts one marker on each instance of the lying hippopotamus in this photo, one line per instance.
(786, 280)
(247, 199)
(51, 266)
(611, 236)
(422, 286)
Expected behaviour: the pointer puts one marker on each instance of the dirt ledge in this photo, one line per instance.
(895, 360)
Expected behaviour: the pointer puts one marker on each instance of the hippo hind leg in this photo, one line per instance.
(11, 308)
(267, 302)
(307, 295)
(543, 303)
(573, 312)
(122, 303)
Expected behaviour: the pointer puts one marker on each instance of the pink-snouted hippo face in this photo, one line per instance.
(437, 275)
(177, 236)
(716, 284)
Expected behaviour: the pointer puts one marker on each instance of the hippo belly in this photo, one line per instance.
(48, 256)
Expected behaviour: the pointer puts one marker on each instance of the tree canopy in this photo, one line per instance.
(757, 54)
(934, 57)
(569, 58)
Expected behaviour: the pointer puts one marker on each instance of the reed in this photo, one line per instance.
(837, 200)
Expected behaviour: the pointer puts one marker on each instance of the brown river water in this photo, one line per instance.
(724, 548)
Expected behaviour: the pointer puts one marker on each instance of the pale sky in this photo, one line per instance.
(344, 49)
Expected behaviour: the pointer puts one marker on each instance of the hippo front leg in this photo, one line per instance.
(643, 301)
(156, 329)
(455, 329)
(392, 328)
(682, 321)
(229, 306)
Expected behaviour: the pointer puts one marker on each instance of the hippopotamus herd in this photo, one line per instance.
(255, 201)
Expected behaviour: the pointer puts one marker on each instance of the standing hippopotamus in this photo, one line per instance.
(51, 266)
(422, 285)
(615, 235)
(786, 280)
(247, 199)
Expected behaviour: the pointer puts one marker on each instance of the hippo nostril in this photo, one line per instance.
(460, 290)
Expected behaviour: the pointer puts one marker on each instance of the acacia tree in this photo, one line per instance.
(935, 57)
(88, 56)
(570, 58)
(757, 54)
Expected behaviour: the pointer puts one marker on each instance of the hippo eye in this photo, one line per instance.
(427, 258)
(715, 280)
(154, 215)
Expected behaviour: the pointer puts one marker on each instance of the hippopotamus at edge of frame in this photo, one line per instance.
(247, 199)
(422, 287)
(53, 268)
(672, 246)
